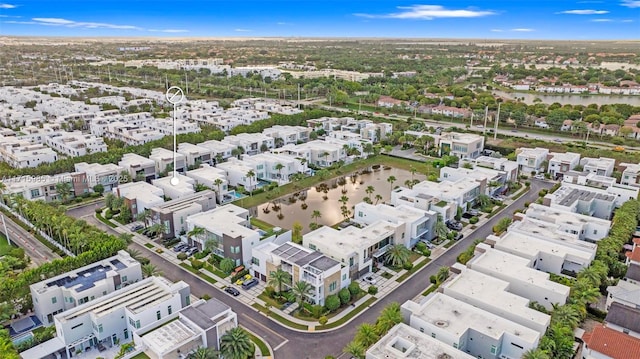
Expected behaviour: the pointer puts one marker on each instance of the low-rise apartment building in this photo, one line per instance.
(166, 126)
(418, 223)
(173, 214)
(561, 163)
(461, 145)
(586, 228)
(358, 248)
(215, 179)
(601, 166)
(164, 160)
(510, 168)
(325, 275)
(44, 187)
(184, 186)
(107, 175)
(199, 325)
(273, 167)
(139, 168)
(441, 197)
(22, 154)
(195, 155)
(132, 135)
(140, 196)
(285, 135)
(229, 228)
(493, 295)
(318, 153)
(531, 160)
(76, 144)
(63, 292)
(237, 173)
(219, 150)
(112, 318)
(630, 174)
(403, 341)
(468, 328)
(524, 280)
(581, 199)
(492, 182)
(251, 143)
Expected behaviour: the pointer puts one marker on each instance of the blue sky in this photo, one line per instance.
(510, 19)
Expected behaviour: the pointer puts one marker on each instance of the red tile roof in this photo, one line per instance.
(612, 343)
(635, 255)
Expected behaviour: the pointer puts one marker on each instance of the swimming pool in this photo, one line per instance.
(23, 338)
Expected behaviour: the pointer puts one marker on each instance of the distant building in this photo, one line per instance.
(461, 145)
(174, 213)
(140, 196)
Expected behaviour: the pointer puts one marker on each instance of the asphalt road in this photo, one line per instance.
(289, 344)
(38, 252)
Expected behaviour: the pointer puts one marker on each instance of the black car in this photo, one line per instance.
(456, 226)
(458, 237)
(231, 290)
(249, 284)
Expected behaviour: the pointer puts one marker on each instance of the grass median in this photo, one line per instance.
(284, 321)
(348, 316)
(415, 268)
(198, 273)
(264, 350)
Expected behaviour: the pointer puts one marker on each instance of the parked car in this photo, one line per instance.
(231, 290)
(136, 227)
(248, 284)
(454, 225)
(370, 280)
(191, 251)
(178, 248)
(285, 305)
(458, 236)
(539, 177)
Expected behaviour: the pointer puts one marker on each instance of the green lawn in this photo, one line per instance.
(264, 350)
(277, 317)
(141, 356)
(4, 246)
(105, 221)
(198, 273)
(348, 316)
(431, 289)
(449, 244)
(413, 270)
(261, 224)
(149, 245)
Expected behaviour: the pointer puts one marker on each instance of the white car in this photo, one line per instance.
(369, 279)
(539, 177)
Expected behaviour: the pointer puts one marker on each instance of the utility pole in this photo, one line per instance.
(186, 81)
(495, 130)
(109, 71)
(486, 117)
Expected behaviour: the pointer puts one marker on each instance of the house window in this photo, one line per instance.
(332, 286)
(137, 324)
(421, 330)
(255, 261)
(595, 231)
(517, 346)
(493, 349)
(76, 326)
(455, 345)
(99, 328)
(433, 335)
(158, 315)
(312, 246)
(169, 310)
(344, 277)
(54, 300)
(124, 278)
(359, 213)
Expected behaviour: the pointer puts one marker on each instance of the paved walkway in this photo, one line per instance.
(250, 297)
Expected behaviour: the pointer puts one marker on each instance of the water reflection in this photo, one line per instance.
(289, 209)
(571, 99)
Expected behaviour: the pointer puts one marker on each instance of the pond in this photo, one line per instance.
(355, 189)
(574, 99)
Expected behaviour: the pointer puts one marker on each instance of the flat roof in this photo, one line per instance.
(168, 336)
(457, 317)
(351, 239)
(528, 246)
(506, 265)
(208, 172)
(626, 291)
(532, 152)
(185, 184)
(549, 231)
(141, 190)
(403, 212)
(403, 341)
(224, 219)
(493, 292)
(184, 202)
(132, 159)
(558, 215)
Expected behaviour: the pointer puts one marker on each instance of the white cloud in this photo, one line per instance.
(282, 23)
(522, 29)
(497, 30)
(627, 20)
(601, 20)
(7, 16)
(584, 12)
(52, 21)
(242, 30)
(630, 3)
(170, 31)
(7, 6)
(429, 12)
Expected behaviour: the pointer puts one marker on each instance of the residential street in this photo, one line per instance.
(290, 344)
(38, 252)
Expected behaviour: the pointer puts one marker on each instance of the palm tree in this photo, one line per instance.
(315, 215)
(369, 190)
(251, 175)
(389, 317)
(378, 198)
(134, 253)
(196, 232)
(149, 270)
(440, 228)
(144, 217)
(591, 274)
(366, 334)
(442, 275)
(408, 183)
(535, 354)
(279, 167)
(355, 349)
(344, 200)
(565, 315)
(301, 290)
(391, 179)
(158, 229)
(218, 182)
(236, 344)
(204, 353)
(3, 188)
(325, 155)
(413, 172)
(278, 278)
(483, 200)
(64, 190)
(398, 255)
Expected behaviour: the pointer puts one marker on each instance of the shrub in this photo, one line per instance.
(227, 265)
(373, 290)
(323, 320)
(421, 246)
(542, 193)
(426, 252)
(407, 265)
(345, 296)
(108, 215)
(270, 291)
(354, 288)
(316, 311)
(182, 256)
(473, 220)
(240, 275)
(433, 279)
(332, 302)
(197, 264)
(98, 210)
(206, 297)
